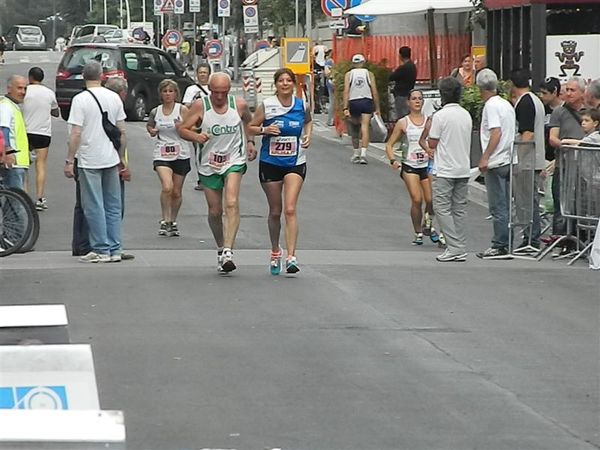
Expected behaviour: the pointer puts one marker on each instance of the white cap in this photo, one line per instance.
(358, 58)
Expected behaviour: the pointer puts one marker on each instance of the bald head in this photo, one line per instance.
(16, 87)
(219, 80)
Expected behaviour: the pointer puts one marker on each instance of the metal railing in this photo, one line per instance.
(579, 167)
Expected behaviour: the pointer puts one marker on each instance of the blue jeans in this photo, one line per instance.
(101, 202)
(497, 183)
(15, 178)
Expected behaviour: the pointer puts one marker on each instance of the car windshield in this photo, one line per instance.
(77, 57)
(30, 30)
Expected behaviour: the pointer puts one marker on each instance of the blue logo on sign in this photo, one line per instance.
(364, 19)
(33, 397)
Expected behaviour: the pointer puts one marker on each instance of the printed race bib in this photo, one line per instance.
(170, 151)
(418, 157)
(218, 161)
(283, 146)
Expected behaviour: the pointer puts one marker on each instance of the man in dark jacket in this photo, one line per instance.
(405, 77)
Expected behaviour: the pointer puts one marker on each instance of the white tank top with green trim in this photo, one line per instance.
(226, 146)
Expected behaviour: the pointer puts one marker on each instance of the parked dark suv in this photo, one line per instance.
(143, 66)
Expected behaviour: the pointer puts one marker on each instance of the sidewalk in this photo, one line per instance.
(477, 191)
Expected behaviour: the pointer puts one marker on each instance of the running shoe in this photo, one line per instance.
(275, 265)
(363, 160)
(93, 257)
(117, 257)
(418, 240)
(164, 228)
(41, 204)
(220, 261)
(355, 159)
(450, 257)
(433, 235)
(442, 242)
(173, 230)
(493, 253)
(427, 226)
(291, 265)
(228, 264)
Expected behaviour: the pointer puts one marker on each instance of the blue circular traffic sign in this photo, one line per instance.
(172, 38)
(364, 19)
(214, 49)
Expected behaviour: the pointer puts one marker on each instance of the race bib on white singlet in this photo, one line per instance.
(283, 146)
(170, 150)
(217, 160)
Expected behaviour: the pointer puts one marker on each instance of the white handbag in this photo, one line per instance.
(378, 129)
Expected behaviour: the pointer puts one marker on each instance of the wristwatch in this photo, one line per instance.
(392, 161)
(68, 163)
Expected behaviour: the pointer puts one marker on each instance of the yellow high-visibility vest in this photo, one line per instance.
(20, 132)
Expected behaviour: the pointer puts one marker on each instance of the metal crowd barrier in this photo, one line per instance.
(579, 167)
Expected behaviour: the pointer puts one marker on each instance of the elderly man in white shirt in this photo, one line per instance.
(450, 142)
(498, 127)
(99, 163)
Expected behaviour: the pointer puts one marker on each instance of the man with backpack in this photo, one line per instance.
(99, 162)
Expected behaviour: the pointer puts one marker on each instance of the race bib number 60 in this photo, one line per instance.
(170, 151)
(283, 146)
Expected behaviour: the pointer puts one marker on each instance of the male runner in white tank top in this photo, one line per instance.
(224, 120)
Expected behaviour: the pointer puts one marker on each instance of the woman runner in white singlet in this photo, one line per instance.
(171, 154)
(413, 167)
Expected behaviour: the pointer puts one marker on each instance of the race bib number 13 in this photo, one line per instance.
(283, 146)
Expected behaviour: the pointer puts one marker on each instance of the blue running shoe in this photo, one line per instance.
(434, 236)
(275, 264)
(291, 265)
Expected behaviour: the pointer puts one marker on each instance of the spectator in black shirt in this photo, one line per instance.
(530, 114)
(405, 77)
(550, 95)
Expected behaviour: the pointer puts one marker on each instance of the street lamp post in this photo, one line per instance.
(105, 16)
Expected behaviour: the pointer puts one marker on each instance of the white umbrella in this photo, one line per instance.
(385, 7)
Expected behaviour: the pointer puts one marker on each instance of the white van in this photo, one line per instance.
(91, 33)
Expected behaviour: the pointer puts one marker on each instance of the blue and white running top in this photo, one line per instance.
(283, 150)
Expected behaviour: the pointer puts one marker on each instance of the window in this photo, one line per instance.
(131, 60)
(168, 68)
(80, 56)
(147, 61)
(86, 31)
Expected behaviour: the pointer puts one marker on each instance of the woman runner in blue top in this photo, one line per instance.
(287, 126)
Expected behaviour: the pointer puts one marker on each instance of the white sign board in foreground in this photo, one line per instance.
(61, 426)
(56, 377)
(16, 316)
(575, 55)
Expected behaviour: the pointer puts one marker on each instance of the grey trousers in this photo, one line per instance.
(450, 196)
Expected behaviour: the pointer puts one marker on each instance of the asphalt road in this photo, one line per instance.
(373, 346)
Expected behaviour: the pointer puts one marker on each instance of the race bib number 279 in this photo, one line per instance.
(283, 146)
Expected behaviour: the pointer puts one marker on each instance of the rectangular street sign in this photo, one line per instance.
(296, 55)
(179, 7)
(224, 9)
(250, 29)
(338, 24)
(194, 6)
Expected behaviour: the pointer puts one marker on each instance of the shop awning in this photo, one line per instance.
(381, 7)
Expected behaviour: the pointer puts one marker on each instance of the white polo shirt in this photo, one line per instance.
(498, 113)
(452, 126)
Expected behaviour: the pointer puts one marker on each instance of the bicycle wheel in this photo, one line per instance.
(35, 228)
(16, 222)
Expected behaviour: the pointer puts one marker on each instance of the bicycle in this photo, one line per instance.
(19, 221)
